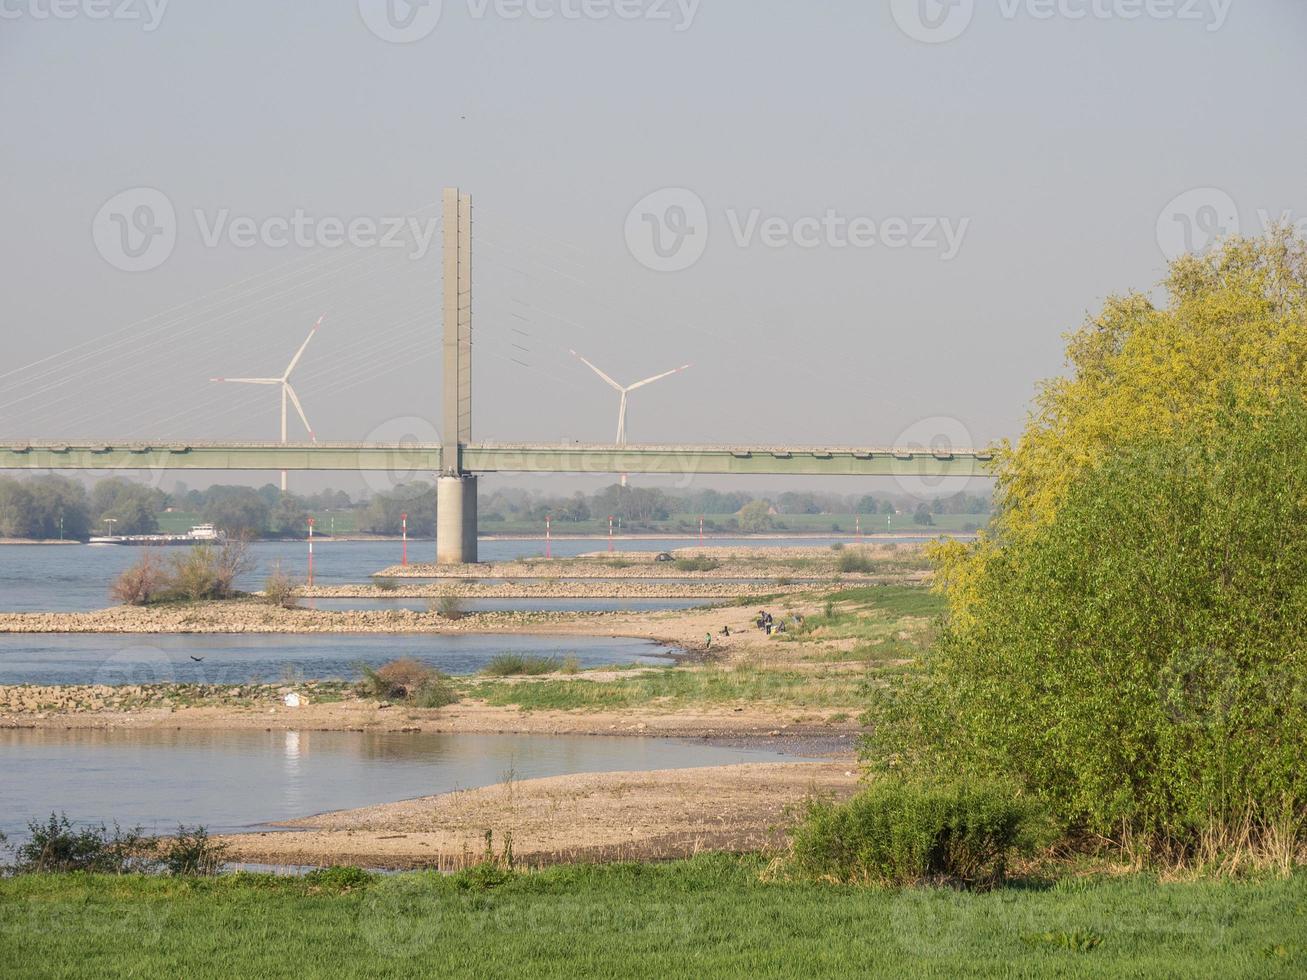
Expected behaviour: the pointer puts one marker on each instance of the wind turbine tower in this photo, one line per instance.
(625, 392)
(288, 396)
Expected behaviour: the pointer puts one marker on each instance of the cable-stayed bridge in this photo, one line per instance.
(457, 459)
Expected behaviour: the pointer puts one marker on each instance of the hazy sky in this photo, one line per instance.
(897, 224)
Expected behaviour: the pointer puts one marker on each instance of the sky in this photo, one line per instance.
(863, 223)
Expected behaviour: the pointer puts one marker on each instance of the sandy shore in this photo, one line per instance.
(589, 817)
(67, 708)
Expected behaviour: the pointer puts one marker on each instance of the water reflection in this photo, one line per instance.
(232, 780)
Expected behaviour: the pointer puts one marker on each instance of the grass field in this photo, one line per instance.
(710, 917)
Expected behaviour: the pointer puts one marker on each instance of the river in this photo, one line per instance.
(76, 578)
(230, 781)
(238, 658)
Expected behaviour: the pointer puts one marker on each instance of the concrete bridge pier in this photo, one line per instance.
(456, 520)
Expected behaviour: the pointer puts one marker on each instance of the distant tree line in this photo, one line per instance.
(49, 507)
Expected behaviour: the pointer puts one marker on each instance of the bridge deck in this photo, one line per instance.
(423, 460)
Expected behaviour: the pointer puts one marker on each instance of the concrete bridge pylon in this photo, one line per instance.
(456, 489)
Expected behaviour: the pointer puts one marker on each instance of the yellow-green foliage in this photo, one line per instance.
(1233, 336)
(1127, 640)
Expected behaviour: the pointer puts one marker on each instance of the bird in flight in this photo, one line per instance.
(198, 660)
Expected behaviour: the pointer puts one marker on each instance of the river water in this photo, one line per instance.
(76, 578)
(237, 658)
(230, 781)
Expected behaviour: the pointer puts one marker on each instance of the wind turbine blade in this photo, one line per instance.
(247, 381)
(303, 347)
(295, 400)
(597, 371)
(649, 381)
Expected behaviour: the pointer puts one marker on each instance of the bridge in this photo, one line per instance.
(458, 460)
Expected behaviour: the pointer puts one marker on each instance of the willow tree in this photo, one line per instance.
(1127, 640)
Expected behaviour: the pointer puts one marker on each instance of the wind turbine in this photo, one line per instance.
(287, 391)
(626, 394)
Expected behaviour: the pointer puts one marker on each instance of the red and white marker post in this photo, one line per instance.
(549, 553)
(403, 520)
(610, 534)
(700, 532)
(311, 552)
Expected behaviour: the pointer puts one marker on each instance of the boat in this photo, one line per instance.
(199, 534)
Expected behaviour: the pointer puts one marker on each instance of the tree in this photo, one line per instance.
(755, 517)
(18, 512)
(923, 516)
(867, 505)
(239, 511)
(1126, 639)
(134, 508)
(798, 503)
(1234, 329)
(43, 508)
(384, 513)
(290, 519)
(1137, 661)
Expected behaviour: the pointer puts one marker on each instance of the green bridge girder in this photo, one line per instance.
(416, 461)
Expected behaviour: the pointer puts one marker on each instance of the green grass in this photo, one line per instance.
(679, 687)
(520, 665)
(710, 917)
(895, 600)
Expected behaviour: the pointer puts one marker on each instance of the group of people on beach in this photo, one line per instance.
(770, 625)
(764, 621)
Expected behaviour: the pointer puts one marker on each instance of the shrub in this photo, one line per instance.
(407, 680)
(206, 572)
(902, 833)
(1136, 659)
(281, 589)
(436, 692)
(192, 853)
(140, 584)
(449, 607)
(517, 665)
(855, 560)
(56, 846)
(698, 564)
(387, 585)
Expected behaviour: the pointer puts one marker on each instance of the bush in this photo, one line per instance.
(206, 572)
(192, 854)
(699, 564)
(449, 607)
(904, 833)
(518, 665)
(436, 692)
(855, 560)
(407, 680)
(56, 846)
(1137, 659)
(140, 584)
(281, 589)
